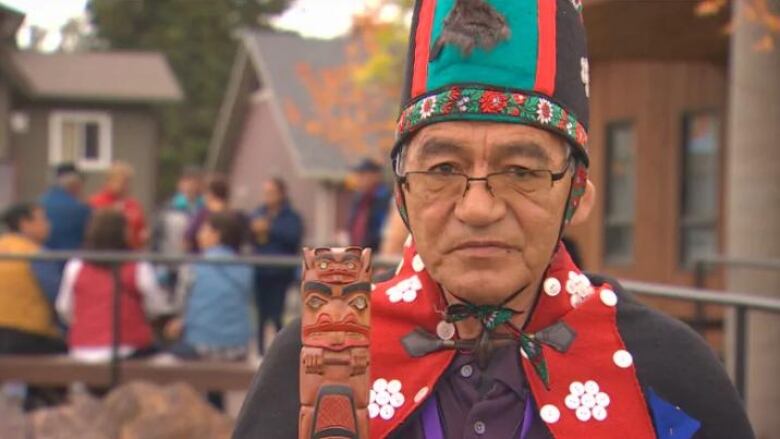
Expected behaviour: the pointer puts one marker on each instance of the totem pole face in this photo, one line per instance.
(336, 297)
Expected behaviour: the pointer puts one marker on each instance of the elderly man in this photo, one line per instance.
(488, 329)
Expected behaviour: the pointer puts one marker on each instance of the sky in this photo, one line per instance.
(313, 18)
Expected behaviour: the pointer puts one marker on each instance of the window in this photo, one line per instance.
(80, 137)
(700, 191)
(620, 198)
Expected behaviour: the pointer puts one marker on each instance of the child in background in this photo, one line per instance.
(216, 322)
(85, 300)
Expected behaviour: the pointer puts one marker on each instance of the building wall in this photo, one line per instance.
(135, 139)
(261, 154)
(655, 96)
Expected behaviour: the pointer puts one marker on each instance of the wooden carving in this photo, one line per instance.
(336, 314)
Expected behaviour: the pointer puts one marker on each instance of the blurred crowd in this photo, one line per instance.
(192, 311)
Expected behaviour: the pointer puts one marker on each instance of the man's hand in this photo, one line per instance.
(312, 359)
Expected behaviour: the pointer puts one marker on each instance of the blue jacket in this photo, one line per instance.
(218, 306)
(284, 238)
(68, 217)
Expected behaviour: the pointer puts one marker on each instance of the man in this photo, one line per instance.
(369, 206)
(488, 329)
(67, 213)
(116, 195)
(276, 230)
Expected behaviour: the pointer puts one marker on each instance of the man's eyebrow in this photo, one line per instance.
(356, 287)
(435, 147)
(313, 285)
(523, 149)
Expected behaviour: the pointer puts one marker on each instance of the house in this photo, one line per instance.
(258, 136)
(658, 95)
(90, 108)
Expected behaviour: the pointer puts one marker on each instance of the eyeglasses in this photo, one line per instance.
(444, 185)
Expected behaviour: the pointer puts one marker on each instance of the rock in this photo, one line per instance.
(13, 424)
(133, 411)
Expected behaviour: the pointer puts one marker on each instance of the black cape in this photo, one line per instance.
(669, 357)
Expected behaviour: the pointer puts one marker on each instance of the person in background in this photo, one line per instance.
(68, 215)
(27, 324)
(216, 324)
(369, 206)
(277, 229)
(87, 295)
(172, 222)
(116, 194)
(188, 197)
(215, 200)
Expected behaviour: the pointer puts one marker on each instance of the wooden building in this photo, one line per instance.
(658, 93)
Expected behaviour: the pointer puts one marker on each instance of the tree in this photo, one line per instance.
(355, 103)
(196, 37)
(764, 13)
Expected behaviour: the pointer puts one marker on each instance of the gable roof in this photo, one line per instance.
(274, 59)
(10, 21)
(101, 76)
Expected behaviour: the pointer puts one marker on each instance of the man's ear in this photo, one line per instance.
(587, 202)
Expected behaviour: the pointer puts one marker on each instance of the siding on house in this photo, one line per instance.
(260, 154)
(135, 134)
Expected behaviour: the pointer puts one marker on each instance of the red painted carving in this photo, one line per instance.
(336, 317)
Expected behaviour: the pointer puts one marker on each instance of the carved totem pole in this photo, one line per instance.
(334, 376)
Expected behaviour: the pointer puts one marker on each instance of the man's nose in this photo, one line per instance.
(479, 207)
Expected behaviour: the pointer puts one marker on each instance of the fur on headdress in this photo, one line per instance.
(470, 24)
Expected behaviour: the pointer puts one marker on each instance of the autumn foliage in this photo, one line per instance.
(355, 103)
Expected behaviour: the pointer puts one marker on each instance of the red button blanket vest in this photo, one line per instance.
(593, 389)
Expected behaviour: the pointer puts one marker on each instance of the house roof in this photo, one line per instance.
(10, 21)
(103, 76)
(274, 59)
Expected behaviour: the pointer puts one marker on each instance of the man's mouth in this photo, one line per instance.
(482, 248)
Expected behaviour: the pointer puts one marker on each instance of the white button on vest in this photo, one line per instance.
(550, 414)
(479, 427)
(623, 359)
(466, 371)
(608, 297)
(552, 286)
(583, 414)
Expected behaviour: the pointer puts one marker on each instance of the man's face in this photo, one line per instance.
(189, 187)
(119, 184)
(482, 247)
(36, 227)
(271, 194)
(366, 180)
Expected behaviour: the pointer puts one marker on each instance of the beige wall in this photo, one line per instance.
(260, 154)
(134, 140)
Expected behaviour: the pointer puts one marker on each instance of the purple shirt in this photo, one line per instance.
(477, 404)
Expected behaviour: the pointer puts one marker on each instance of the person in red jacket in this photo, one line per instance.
(115, 195)
(85, 300)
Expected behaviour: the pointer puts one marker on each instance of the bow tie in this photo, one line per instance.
(558, 336)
